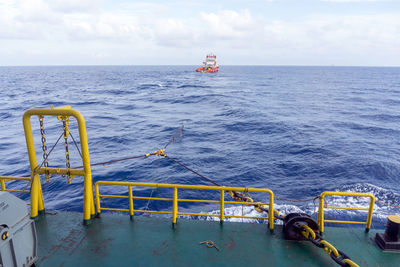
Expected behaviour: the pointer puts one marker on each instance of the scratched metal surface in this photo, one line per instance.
(114, 240)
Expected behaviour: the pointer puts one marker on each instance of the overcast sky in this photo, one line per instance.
(181, 32)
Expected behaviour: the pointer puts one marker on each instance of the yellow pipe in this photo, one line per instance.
(352, 194)
(349, 222)
(345, 208)
(35, 197)
(152, 211)
(138, 211)
(92, 209)
(14, 178)
(321, 213)
(113, 196)
(130, 200)
(371, 210)
(35, 191)
(96, 188)
(88, 200)
(246, 217)
(3, 185)
(62, 171)
(246, 203)
(41, 201)
(271, 210)
(154, 198)
(347, 194)
(16, 190)
(175, 206)
(198, 214)
(199, 200)
(229, 188)
(222, 206)
(115, 209)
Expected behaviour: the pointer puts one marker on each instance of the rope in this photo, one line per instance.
(117, 160)
(191, 170)
(235, 195)
(76, 145)
(177, 133)
(152, 191)
(296, 200)
(387, 204)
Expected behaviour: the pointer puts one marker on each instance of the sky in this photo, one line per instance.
(182, 32)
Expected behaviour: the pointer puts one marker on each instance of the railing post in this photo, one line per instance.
(96, 188)
(37, 204)
(3, 185)
(222, 207)
(175, 206)
(271, 214)
(320, 220)
(130, 201)
(371, 209)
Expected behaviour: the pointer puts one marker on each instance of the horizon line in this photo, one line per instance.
(228, 65)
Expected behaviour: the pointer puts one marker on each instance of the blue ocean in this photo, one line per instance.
(298, 131)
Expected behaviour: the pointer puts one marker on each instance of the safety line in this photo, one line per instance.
(191, 170)
(76, 145)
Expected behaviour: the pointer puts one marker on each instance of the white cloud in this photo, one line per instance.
(228, 23)
(74, 6)
(138, 28)
(352, 1)
(173, 32)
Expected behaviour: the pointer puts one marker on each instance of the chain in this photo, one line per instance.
(44, 148)
(65, 121)
(338, 256)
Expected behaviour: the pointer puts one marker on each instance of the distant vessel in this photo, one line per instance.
(210, 65)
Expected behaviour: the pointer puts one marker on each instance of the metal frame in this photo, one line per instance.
(321, 207)
(37, 204)
(175, 200)
(3, 179)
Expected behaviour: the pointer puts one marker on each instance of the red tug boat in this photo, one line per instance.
(210, 65)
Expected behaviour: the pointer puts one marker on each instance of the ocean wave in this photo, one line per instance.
(297, 130)
(193, 86)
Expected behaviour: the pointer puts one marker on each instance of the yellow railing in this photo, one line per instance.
(370, 209)
(4, 179)
(175, 200)
(37, 204)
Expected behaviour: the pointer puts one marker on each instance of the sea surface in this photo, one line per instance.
(298, 131)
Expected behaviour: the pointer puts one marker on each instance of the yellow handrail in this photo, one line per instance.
(175, 200)
(321, 207)
(3, 179)
(37, 204)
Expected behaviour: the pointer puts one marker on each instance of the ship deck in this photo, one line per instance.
(115, 240)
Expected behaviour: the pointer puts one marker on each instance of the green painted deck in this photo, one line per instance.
(115, 240)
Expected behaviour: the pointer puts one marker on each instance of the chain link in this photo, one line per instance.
(65, 121)
(44, 148)
(338, 256)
